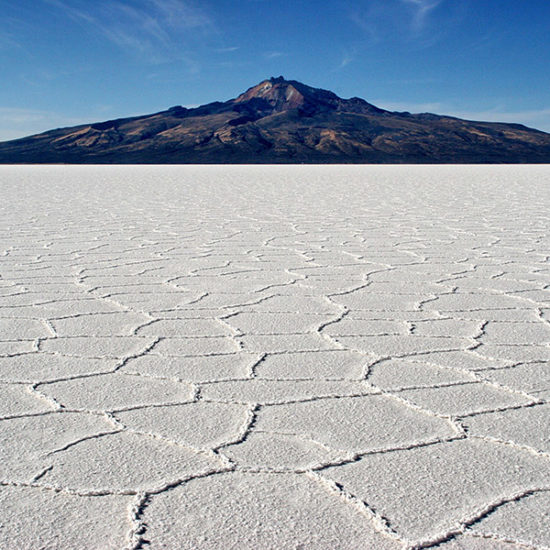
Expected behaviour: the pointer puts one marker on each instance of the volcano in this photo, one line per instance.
(283, 121)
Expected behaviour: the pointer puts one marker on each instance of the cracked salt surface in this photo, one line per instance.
(275, 357)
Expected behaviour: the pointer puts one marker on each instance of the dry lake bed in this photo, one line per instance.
(268, 358)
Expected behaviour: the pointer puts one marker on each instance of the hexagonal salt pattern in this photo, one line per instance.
(274, 357)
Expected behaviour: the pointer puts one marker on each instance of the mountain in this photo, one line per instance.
(284, 121)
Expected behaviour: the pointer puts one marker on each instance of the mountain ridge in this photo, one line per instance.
(283, 121)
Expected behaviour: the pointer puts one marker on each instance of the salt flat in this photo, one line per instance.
(272, 357)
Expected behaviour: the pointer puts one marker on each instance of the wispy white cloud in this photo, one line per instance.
(421, 10)
(157, 30)
(273, 55)
(179, 13)
(347, 58)
(407, 19)
(12, 29)
(368, 21)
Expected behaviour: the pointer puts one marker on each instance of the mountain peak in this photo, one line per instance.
(279, 93)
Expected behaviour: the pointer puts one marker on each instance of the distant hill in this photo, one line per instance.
(283, 121)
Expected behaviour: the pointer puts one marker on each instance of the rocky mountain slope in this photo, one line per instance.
(284, 121)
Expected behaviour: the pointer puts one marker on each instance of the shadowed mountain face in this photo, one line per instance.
(283, 121)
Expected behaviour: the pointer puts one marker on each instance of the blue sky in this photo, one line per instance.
(65, 62)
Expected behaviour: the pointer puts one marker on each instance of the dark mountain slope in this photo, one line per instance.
(280, 121)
